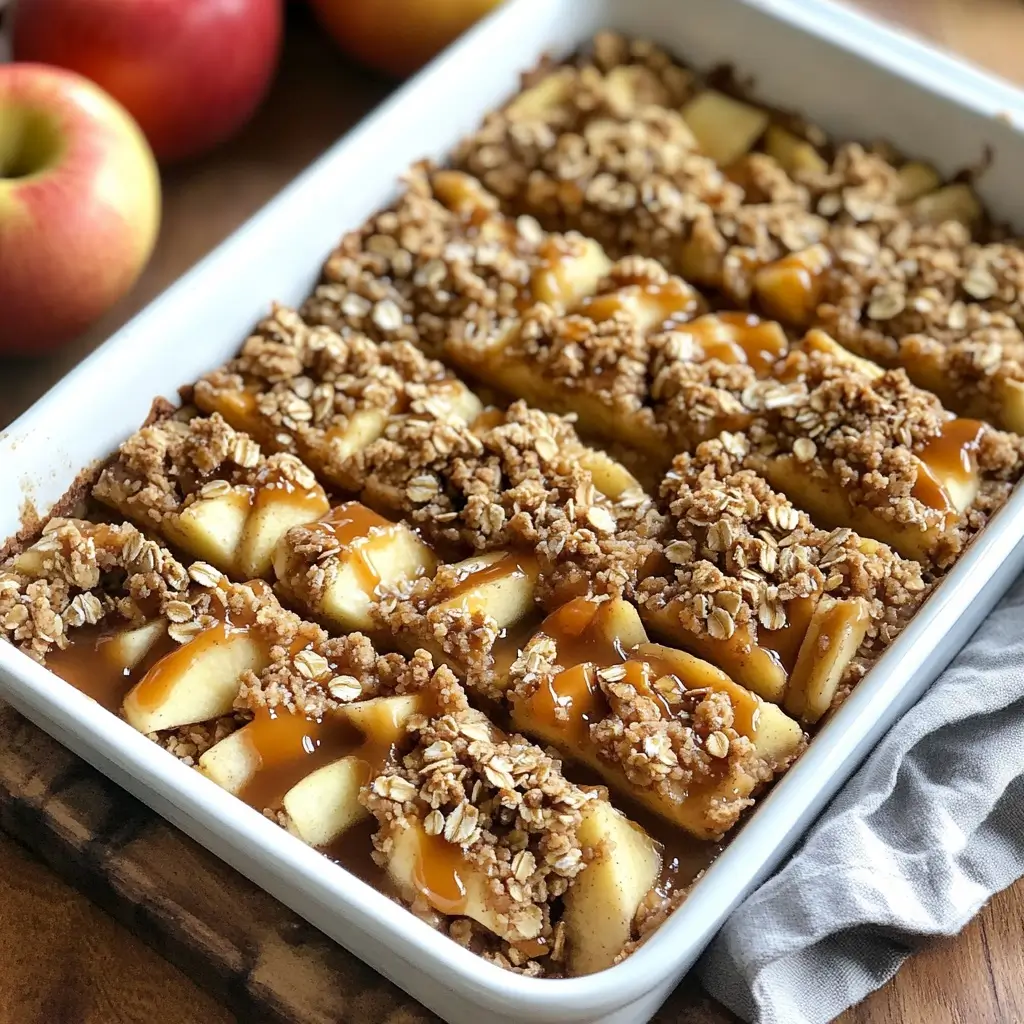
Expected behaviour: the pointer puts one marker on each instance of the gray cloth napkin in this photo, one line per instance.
(926, 832)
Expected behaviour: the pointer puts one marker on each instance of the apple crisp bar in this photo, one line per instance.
(513, 566)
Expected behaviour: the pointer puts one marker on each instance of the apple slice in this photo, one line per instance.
(603, 900)
(953, 202)
(195, 683)
(361, 429)
(128, 648)
(610, 477)
(211, 529)
(233, 762)
(500, 585)
(430, 867)
(776, 737)
(796, 156)
(725, 128)
(326, 802)
(790, 289)
(382, 720)
(548, 94)
(752, 666)
(837, 630)
(276, 509)
(916, 180)
(569, 271)
(821, 497)
(818, 341)
(372, 552)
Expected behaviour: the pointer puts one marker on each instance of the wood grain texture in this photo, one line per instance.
(165, 901)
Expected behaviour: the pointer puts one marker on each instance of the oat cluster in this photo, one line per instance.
(165, 467)
(64, 581)
(312, 392)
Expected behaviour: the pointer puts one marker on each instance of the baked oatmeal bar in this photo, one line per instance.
(793, 612)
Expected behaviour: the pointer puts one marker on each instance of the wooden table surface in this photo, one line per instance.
(63, 961)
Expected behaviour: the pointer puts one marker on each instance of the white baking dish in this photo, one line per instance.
(852, 76)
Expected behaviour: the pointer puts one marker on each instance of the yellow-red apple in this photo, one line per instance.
(191, 72)
(398, 36)
(79, 205)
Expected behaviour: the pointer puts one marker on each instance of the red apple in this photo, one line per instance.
(398, 36)
(79, 205)
(191, 72)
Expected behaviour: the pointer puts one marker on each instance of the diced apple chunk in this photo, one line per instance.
(564, 279)
(725, 128)
(382, 554)
(232, 762)
(361, 429)
(602, 902)
(326, 802)
(796, 156)
(790, 289)
(818, 341)
(1011, 402)
(211, 529)
(382, 720)
(610, 477)
(916, 180)
(499, 585)
(548, 94)
(274, 513)
(837, 629)
(427, 866)
(954, 202)
(129, 647)
(195, 683)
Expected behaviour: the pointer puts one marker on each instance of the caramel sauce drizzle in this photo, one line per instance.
(438, 873)
(954, 453)
(355, 527)
(672, 303)
(473, 578)
(290, 746)
(737, 338)
(90, 664)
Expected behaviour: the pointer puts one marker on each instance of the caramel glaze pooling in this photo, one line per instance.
(89, 663)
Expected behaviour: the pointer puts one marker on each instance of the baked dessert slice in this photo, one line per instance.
(444, 262)
(323, 397)
(478, 824)
(939, 305)
(791, 611)
(518, 480)
(661, 727)
(869, 450)
(325, 718)
(209, 490)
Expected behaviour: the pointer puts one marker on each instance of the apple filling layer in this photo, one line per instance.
(209, 490)
(791, 611)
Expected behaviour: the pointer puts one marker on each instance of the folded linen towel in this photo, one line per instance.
(926, 832)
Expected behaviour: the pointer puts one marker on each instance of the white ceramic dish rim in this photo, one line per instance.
(898, 679)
